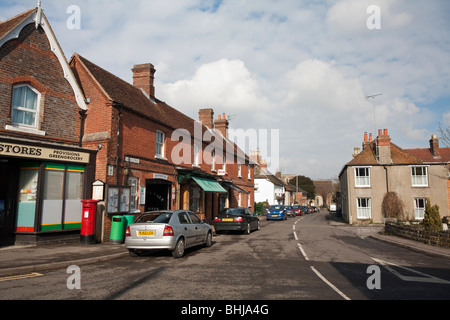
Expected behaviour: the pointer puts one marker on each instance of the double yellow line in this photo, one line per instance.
(23, 276)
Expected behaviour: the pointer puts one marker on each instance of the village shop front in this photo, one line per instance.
(42, 185)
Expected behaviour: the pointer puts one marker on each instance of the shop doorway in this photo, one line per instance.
(7, 208)
(157, 195)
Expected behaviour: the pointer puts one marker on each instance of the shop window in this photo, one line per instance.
(26, 204)
(25, 106)
(62, 195)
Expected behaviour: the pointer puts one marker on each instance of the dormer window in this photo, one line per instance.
(25, 106)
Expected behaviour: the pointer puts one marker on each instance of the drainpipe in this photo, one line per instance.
(387, 179)
(82, 120)
(118, 140)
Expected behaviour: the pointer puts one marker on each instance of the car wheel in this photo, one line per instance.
(247, 229)
(179, 249)
(208, 242)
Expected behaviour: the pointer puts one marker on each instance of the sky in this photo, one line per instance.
(297, 72)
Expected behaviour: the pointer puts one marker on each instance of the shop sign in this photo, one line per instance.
(24, 151)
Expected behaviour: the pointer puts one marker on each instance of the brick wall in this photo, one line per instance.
(29, 60)
(433, 238)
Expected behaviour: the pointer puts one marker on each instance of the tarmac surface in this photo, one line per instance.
(18, 260)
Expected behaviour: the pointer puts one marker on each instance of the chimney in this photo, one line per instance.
(434, 146)
(222, 125)
(143, 78)
(206, 116)
(278, 174)
(366, 141)
(357, 151)
(384, 147)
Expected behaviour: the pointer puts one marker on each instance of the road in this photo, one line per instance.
(302, 258)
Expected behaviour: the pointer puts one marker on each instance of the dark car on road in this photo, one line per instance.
(305, 209)
(289, 211)
(236, 219)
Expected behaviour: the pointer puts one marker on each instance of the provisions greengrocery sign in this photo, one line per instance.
(24, 151)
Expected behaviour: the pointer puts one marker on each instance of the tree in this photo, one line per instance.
(306, 184)
(432, 218)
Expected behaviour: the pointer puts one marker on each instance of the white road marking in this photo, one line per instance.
(303, 252)
(295, 236)
(425, 277)
(329, 284)
(24, 276)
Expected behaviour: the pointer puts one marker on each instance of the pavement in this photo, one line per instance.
(23, 259)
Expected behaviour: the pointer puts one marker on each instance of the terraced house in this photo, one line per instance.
(382, 167)
(154, 155)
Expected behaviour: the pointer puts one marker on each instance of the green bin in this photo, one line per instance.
(129, 220)
(118, 226)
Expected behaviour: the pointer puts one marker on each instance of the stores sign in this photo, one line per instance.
(24, 151)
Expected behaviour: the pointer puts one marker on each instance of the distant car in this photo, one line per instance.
(174, 230)
(305, 209)
(276, 212)
(289, 211)
(236, 219)
(298, 210)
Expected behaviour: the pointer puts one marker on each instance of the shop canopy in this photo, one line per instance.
(209, 185)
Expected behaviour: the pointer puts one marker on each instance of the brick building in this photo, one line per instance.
(44, 171)
(154, 155)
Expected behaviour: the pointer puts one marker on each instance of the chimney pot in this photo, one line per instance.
(385, 132)
(365, 136)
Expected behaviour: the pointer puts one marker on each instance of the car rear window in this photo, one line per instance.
(155, 217)
(234, 211)
(276, 208)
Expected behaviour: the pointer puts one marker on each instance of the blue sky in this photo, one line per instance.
(304, 68)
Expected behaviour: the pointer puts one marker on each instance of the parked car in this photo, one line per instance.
(298, 210)
(174, 230)
(289, 211)
(236, 219)
(305, 209)
(276, 212)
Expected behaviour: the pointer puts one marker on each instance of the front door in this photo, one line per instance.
(157, 195)
(7, 194)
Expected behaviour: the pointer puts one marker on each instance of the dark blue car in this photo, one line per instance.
(289, 211)
(276, 212)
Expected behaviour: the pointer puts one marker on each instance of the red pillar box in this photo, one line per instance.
(89, 214)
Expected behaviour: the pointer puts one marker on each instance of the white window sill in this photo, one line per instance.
(160, 157)
(25, 130)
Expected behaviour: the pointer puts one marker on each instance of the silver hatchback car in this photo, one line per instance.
(172, 230)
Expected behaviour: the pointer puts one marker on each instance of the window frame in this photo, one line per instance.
(36, 111)
(418, 210)
(415, 177)
(360, 208)
(160, 144)
(362, 181)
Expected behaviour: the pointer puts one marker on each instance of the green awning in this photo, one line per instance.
(209, 185)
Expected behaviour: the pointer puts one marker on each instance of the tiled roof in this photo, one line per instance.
(427, 157)
(9, 25)
(398, 156)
